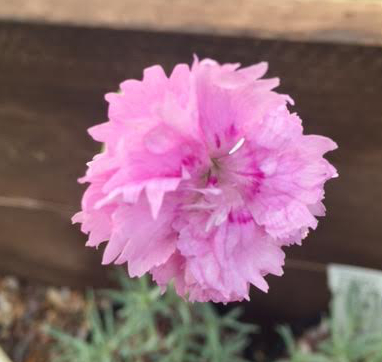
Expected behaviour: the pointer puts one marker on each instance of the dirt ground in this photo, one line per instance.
(27, 309)
(25, 312)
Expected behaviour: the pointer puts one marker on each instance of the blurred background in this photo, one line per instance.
(58, 59)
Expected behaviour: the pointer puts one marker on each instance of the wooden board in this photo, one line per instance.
(350, 21)
(52, 83)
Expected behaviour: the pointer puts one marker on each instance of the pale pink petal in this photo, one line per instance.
(203, 177)
(140, 240)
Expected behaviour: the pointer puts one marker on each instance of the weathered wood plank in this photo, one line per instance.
(52, 83)
(347, 21)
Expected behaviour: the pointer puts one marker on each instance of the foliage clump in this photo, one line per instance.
(138, 324)
(353, 330)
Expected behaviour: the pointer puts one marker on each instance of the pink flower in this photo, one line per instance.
(204, 177)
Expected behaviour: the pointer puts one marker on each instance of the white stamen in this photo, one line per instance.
(206, 191)
(237, 146)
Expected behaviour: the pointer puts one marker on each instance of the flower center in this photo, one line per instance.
(217, 170)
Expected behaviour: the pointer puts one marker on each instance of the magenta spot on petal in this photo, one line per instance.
(189, 161)
(255, 187)
(172, 174)
(259, 175)
(217, 141)
(232, 130)
(213, 180)
(243, 217)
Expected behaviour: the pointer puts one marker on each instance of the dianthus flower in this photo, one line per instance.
(204, 177)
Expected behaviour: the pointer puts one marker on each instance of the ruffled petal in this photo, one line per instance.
(224, 261)
(140, 240)
(204, 176)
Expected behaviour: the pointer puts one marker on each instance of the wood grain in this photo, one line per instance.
(52, 83)
(346, 21)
